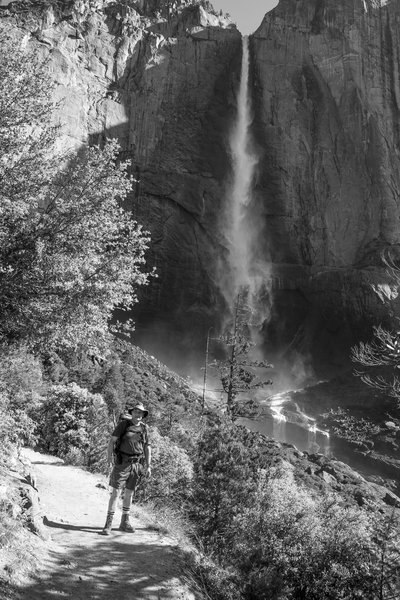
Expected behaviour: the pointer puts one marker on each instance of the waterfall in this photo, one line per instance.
(243, 165)
(247, 266)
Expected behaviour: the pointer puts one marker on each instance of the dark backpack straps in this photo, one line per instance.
(119, 440)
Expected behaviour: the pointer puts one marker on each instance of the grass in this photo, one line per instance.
(165, 520)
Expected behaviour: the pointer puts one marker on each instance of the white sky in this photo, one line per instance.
(247, 14)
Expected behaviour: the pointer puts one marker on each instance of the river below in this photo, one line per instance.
(295, 417)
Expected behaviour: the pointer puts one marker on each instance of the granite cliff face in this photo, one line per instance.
(327, 98)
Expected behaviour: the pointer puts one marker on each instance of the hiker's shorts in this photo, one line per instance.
(128, 473)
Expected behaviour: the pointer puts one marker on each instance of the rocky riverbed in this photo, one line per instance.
(343, 419)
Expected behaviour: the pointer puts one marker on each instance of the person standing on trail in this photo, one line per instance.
(129, 452)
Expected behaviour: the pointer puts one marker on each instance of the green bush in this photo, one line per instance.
(20, 394)
(13, 546)
(290, 545)
(73, 424)
(211, 580)
(69, 253)
(284, 541)
(172, 471)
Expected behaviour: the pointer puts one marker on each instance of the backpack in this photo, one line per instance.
(127, 423)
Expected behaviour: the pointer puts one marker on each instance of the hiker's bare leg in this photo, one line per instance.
(112, 503)
(126, 507)
(127, 501)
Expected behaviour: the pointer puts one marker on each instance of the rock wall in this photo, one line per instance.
(180, 107)
(326, 95)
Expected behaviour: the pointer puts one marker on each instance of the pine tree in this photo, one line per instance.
(238, 372)
(379, 362)
(223, 483)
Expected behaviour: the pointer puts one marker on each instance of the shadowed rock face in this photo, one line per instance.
(327, 97)
(180, 109)
(179, 97)
(326, 92)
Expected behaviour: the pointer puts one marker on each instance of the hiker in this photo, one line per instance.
(128, 447)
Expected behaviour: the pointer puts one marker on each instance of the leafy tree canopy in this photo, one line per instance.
(69, 253)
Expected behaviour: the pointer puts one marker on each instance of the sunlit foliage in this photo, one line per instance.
(69, 254)
(280, 540)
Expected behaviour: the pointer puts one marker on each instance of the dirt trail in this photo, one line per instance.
(82, 564)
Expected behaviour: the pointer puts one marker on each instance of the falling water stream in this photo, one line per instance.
(244, 162)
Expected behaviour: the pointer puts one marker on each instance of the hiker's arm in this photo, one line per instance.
(110, 449)
(147, 456)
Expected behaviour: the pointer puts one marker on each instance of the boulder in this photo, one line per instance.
(392, 426)
(326, 477)
(32, 510)
(391, 499)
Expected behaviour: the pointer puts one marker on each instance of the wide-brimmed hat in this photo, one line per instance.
(140, 406)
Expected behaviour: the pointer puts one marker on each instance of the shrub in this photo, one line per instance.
(291, 545)
(7, 429)
(354, 429)
(211, 580)
(20, 389)
(172, 471)
(12, 548)
(284, 541)
(73, 423)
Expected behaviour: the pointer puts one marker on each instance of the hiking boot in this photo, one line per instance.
(107, 526)
(125, 525)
